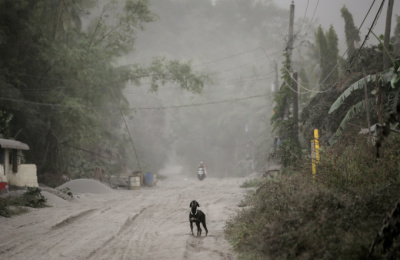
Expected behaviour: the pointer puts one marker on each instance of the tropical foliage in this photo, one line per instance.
(351, 31)
(386, 82)
(328, 52)
(61, 88)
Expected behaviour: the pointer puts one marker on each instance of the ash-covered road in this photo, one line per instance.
(149, 223)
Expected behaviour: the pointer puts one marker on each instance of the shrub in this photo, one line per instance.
(293, 217)
(250, 183)
(351, 163)
(16, 205)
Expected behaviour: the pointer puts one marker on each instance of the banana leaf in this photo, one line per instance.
(385, 77)
(355, 110)
(353, 87)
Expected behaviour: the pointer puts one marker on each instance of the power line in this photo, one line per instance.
(136, 108)
(348, 47)
(304, 16)
(312, 18)
(203, 104)
(355, 36)
(367, 36)
(145, 75)
(352, 42)
(298, 83)
(365, 39)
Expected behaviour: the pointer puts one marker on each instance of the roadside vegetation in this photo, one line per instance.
(350, 209)
(339, 215)
(254, 182)
(63, 85)
(15, 205)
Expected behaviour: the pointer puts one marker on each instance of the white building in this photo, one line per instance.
(11, 169)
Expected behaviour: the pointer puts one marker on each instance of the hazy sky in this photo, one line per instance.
(327, 12)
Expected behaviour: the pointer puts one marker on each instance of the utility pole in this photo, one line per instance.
(291, 37)
(386, 57)
(294, 79)
(295, 109)
(289, 49)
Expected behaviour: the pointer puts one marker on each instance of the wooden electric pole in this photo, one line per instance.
(295, 132)
(291, 37)
(386, 57)
(295, 109)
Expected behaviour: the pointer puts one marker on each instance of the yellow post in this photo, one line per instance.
(314, 170)
(313, 156)
(316, 145)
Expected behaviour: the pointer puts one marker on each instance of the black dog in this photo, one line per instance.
(197, 216)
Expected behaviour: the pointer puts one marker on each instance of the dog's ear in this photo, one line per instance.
(198, 205)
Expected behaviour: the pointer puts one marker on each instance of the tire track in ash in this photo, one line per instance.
(204, 248)
(72, 219)
(141, 238)
(61, 240)
(93, 233)
(128, 222)
(112, 247)
(155, 235)
(49, 239)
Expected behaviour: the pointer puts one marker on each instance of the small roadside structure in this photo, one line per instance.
(12, 171)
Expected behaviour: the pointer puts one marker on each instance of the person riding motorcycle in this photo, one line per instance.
(201, 164)
(203, 167)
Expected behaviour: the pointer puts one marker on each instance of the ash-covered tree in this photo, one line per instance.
(351, 31)
(328, 53)
(282, 121)
(61, 85)
(396, 38)
(333, 54)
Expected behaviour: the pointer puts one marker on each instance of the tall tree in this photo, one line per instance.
(351, 31)
(396, 37)
(322, 48)
(60, 83)
(332, 54)
(282, 121)
(327, 47)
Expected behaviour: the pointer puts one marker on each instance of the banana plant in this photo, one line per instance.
(388, 79)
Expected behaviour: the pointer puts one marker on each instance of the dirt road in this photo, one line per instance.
(150, 223)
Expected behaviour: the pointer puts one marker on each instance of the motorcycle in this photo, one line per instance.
(201, 174)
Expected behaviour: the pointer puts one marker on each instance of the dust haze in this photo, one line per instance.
(227, 126)
(238, 44)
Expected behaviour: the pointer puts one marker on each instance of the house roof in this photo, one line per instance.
(12, 144)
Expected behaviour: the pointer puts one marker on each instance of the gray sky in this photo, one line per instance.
(327, 12)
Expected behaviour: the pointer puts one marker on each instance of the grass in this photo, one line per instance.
(251, 183)
(338, 216)
(15, 205)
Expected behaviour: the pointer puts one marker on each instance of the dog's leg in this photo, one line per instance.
(191, 228)
(198, 228)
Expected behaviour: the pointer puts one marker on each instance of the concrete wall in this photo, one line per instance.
(26, 176)
(3, 177)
